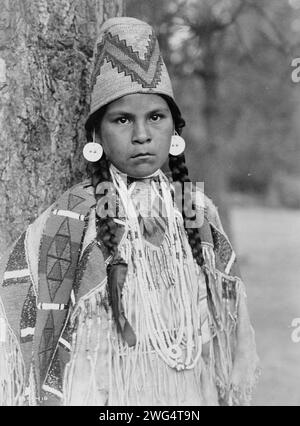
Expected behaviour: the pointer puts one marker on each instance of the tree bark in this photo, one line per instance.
(46, 59)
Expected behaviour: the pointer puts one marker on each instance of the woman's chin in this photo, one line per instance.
(140, 170)
(141, 174)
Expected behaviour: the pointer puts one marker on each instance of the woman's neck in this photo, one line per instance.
(116, 170)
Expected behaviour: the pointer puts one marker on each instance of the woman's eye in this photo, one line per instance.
(156, 117)
(122, 120)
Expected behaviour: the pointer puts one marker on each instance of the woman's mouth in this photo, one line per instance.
(143, 155)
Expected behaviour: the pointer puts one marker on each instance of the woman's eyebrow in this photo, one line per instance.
(159, 109)
(119, 112)
(131, 114)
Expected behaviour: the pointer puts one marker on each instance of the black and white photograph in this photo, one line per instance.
(149, 205)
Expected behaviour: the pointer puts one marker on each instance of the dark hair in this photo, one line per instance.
(179, 122)
(106, 227)
(94, 122)
(180, 174)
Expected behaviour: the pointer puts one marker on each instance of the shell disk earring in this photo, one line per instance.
(93, 151)
(177, 145)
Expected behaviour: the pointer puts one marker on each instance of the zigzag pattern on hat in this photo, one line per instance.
(146, 72)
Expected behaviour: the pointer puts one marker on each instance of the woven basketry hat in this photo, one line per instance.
(127, 60)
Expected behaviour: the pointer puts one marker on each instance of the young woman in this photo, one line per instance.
(126, 291)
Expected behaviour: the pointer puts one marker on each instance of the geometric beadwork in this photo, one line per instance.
(17, 258)
(54, 377)
(146, 72)
(46, 344)
(37, 323)
(28, 316)
(16, 262)
(59, 257)
(221, 246)
(64, 229)
(74, 201)
(53, 287)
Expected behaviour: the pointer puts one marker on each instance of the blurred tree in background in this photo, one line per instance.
(229, 61)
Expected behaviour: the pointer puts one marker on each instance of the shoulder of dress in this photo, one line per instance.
(72, 198)
(76, 202)
(79, 198)
(213, 213)
(210, 205)
(85, 188)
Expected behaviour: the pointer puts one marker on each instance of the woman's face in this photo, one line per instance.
(136, 133)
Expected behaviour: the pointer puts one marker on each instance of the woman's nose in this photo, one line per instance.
(141, 133)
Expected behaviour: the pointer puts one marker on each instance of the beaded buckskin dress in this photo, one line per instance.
(182, 337)
(165, 301)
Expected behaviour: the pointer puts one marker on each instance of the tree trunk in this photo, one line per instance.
(46, 57)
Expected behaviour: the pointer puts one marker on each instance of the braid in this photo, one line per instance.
(116, 270)
(106, 227)
(180, 174)
(99, 172)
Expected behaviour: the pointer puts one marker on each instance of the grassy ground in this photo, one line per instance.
(268, 243)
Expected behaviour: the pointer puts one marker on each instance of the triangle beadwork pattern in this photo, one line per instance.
(66, 255)
(56, 273)
(74, 201)
(64, 265)
(59, 258)
(51, 260)
(222, 246)
(146, 72)
(61, 242)
(52, 251)
(28, 316)
(17, 259)
(53, 286)
(64, 228)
